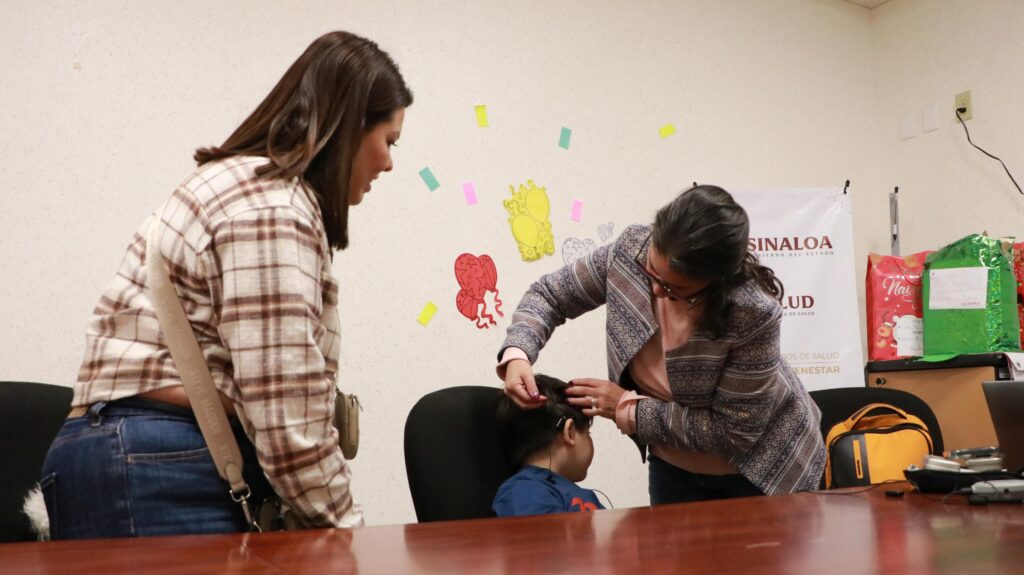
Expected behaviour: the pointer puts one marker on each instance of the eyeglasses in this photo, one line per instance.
(645, 262)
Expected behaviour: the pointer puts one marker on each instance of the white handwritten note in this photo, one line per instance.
(909, 336)
(958, 288)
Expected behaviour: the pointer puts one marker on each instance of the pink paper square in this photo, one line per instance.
(577, 210)
(470, 191)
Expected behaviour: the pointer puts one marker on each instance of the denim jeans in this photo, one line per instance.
(670, 484)
(136, 467)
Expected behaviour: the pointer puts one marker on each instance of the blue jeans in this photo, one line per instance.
(670, 484)
(136, 467)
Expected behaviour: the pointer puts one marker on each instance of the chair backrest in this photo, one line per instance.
(453, 455)
(30, 417)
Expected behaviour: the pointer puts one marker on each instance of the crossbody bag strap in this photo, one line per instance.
(195, 374)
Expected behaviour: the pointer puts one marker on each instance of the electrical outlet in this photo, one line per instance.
(963, 100)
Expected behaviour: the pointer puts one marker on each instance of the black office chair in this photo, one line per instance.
(30, 417)
(453, 455)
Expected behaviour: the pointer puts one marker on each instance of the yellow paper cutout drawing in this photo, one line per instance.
(528, 211)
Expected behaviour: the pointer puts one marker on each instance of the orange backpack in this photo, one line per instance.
(874, 445)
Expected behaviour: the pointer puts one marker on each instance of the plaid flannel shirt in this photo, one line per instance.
(251, 264)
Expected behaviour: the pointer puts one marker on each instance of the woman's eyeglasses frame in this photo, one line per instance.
(643, 259)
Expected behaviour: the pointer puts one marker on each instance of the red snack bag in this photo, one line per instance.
(893, 290)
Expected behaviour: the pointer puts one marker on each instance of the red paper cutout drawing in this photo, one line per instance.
(477, 276)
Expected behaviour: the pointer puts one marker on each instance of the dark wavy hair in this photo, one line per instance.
(312, 122)
(704, 234)
(524, 432)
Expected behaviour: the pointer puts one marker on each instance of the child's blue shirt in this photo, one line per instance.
(535, 491)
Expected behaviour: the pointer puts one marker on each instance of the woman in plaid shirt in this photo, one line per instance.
(247, 239)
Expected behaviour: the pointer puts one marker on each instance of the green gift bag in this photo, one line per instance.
(970, 298)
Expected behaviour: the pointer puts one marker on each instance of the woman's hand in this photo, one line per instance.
(595, 397)
(520, 385)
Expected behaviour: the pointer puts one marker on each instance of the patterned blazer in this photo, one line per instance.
(735, 396)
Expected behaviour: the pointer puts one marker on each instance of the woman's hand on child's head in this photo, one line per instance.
(520, 385)
(595, 397)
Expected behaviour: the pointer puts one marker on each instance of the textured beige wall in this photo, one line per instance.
(102, 103)
(925, 52)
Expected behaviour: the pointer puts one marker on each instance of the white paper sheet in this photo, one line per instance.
(909, 123)
(958, 288)
(909, 336)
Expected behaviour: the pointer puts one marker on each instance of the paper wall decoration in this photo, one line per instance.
(577, 210)
(604, 231)
(427, 314)
(470, 192)
(477, 276)
(575, 248)
(429, 179)
(528, 210)
(481, 117)
(563, 139)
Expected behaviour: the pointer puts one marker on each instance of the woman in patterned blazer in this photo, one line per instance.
(695, 373)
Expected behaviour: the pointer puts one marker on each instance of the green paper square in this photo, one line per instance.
(429, 179)
(563, 140)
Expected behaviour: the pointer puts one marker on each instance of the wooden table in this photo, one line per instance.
(822, 534)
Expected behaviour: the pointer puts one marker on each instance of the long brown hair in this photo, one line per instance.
(704, 234)
(312, 122)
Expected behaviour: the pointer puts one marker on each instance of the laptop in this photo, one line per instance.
(1006, 405)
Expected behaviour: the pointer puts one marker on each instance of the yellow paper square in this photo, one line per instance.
(427, 314)
(481, 116)
(667, 130)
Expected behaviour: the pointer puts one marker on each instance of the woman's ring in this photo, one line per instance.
(593, 402)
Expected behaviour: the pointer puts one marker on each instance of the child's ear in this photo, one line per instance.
(569, 432)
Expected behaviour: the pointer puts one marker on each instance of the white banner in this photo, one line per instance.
(806, 237)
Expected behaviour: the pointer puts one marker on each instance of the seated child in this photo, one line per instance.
(552, 448)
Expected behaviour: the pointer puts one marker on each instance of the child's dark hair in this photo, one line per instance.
(526, 431)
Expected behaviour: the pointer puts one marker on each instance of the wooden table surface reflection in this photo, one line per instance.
(834, 533)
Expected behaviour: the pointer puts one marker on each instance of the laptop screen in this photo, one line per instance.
(1006, 405)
